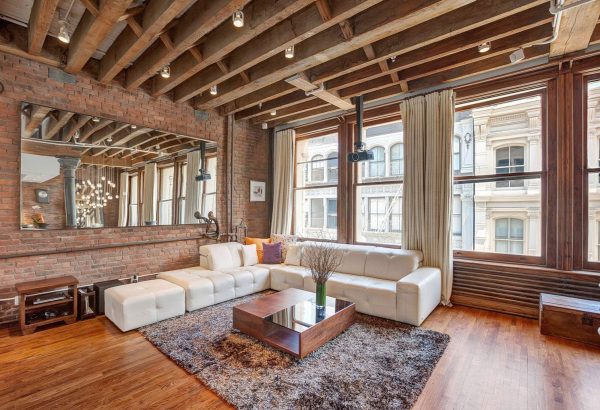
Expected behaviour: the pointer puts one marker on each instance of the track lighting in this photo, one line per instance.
(273, 113)
(238, 18)
(63, 34)
(289, 52)
(109, 140)
(484, 47)
(265, 126)
(213, 90)
(393, 59)
(96, 119)
(517, 56)
(133, 127)
(165, 72)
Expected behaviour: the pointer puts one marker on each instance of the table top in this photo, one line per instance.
(46, 284)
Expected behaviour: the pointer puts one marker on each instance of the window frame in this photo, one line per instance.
(542, 175)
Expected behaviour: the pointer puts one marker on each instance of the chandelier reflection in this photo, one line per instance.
(96, 195)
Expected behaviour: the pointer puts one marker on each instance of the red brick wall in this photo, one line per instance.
(25, 80)
(54, 210)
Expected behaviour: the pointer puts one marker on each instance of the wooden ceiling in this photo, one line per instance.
(96, 140)
(344, 48)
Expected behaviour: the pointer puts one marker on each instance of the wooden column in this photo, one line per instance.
(344, 184)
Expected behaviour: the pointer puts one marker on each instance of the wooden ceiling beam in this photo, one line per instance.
(95, 127)
(468, 26)
(200, 19)
(114, 162)
(576, 27)
(293, 30)
(260, 15)
(36, 117)
(278, 103)
(373, 24)
(56, 125)
(282, 113)
(75, 126)
(156, 16)
(107, 133)
(42, 14)
(91, 32)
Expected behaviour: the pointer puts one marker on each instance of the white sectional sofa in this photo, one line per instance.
(389, 283)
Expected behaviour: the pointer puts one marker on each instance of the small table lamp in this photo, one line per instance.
(241, 231)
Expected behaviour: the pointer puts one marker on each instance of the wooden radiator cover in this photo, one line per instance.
(516, 289)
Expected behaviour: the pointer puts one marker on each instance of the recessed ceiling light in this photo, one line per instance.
(484, 47)
(238, 18)
(165, 72)
(274, 113)
(289, 52)
(213, 90)
(63, 34)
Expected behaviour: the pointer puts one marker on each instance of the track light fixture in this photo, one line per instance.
(109, 140)
(213, 90)
(484, 47)
(133, 127)
(289, 52)
(165, 72)
(95, 119)
(238, 18)
(273, 113)
(63, 34)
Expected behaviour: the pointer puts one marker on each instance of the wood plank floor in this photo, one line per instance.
(494, 361)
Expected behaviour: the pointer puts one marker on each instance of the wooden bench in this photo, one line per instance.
(571, 318)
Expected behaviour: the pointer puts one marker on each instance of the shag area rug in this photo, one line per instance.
(376, 363)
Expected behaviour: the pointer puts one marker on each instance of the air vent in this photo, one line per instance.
(201, 115)
(61, 76)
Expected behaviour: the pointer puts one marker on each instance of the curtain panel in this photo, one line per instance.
(150, 194)
(123, 198)
(428, 130)
(193, 188)
(283, 181)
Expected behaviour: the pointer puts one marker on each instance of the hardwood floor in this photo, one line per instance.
(494, 361)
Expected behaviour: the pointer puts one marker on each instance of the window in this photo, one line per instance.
(209, 187)
(332, 214)
(316, 181)
(165, 198)
(509, 236)
(397, 160)
(494, 211)
(317, 173)
(378, 210)
(456, 152)
(593, 171)
(133, 201)
(181, 193)
(377, 164)
(332, 167)
(509, 160)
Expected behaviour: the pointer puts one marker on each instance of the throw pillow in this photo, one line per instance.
(294, 255)
(285, 240)
(250, 257)
(272, 252)
(259, 246)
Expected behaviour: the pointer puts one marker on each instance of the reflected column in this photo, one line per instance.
(68, 166)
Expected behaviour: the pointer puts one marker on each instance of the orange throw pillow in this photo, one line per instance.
(259, 246)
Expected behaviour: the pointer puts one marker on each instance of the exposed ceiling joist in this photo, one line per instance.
(297, 28)
(332, 97)
(91, 31)
(37, 115)
(200, 19)
(576, 27)
(57, 124)
(93, 128)
(156, 16)
(74, 127)
(372, 25)
(42, 14)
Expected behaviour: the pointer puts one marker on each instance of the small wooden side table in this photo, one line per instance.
(33, 315)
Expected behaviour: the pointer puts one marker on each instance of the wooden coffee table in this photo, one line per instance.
(290, 320)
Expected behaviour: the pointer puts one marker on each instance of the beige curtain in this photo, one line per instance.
(427, 200)
(283, 181)
(123, 198)
(193, 188)
(150, 194)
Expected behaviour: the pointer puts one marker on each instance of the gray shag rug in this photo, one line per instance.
(376, 363)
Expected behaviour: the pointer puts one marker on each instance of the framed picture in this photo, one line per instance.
(41, 196)
(258, 191)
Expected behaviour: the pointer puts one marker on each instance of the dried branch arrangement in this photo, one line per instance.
(323, 258)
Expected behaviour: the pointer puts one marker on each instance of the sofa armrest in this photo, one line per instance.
(417, 294)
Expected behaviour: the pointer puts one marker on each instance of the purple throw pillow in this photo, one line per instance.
(272, 252)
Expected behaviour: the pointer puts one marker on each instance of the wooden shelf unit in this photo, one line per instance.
(27, 290)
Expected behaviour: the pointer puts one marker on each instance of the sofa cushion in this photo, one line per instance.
(249, 279)
(294, 255)
(285, 240)
(390, 264)
(272, 252)
(221, 256)
(249, 255)
(284, 276)
(259, 246)
(353, 257)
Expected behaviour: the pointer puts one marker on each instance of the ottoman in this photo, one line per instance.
(143, 303)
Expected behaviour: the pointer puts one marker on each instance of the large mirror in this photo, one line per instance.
(80, 171)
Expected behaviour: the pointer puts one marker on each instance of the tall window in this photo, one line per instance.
(510, 160)
(456, 152)
(181, 193)
(498, 192)
(593, 171)
(316, 181)
(397, 159)
(378, 188)
(165, 198)
(509, 235)
(133, 201)
(377, 164)
(209, 187)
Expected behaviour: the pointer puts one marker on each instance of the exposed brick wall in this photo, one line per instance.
(54, 210)
(25, 80)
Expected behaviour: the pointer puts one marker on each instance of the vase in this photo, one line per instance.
(321, 294)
